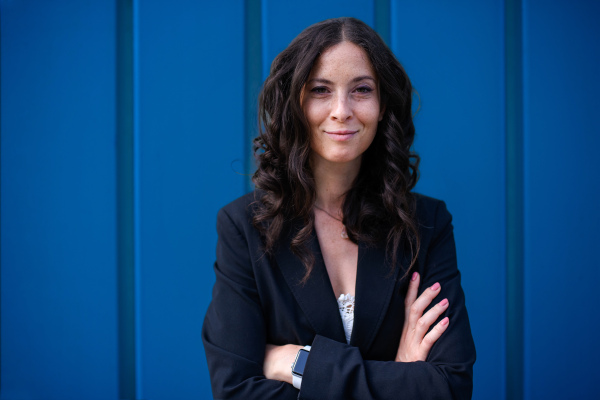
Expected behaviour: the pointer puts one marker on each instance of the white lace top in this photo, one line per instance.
(346, 306)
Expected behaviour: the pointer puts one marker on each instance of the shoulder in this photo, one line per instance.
(429, 208)
(240, 211)
(432, 215)
(242, 205)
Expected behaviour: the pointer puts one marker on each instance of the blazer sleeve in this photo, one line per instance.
(336, 370)
(234, 332)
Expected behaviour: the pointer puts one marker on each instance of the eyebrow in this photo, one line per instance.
(357, 79)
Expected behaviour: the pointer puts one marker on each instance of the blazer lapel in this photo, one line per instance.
(374, 288)
(316, 296)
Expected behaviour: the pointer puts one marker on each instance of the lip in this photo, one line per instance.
(341, 135)
(346, 132)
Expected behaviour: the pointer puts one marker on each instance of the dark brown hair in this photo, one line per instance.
(379, 207)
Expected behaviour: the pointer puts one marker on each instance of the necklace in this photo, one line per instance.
(344, 233)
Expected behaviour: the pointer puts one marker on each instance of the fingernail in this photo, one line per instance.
(435, 286)
(444, 303)
(445, 321)
(414, 277)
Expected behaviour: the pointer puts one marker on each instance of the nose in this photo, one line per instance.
(341, 109)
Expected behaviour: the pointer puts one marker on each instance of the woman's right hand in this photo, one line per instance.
(415, 342)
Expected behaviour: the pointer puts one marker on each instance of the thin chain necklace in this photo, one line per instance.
(344, 233)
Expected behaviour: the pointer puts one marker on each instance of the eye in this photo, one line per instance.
(319, 90)
(364, 89)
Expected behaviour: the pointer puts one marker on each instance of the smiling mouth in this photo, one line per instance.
(341, 132)
(341, 136)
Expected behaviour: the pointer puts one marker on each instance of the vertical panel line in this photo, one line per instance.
(264, 38)
(136, 202)
(125, 200)
(514, 200)
(1, 81)
(253, 51)
(383, 20)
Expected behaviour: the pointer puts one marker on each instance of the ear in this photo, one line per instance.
(382, 112)
(302, 95)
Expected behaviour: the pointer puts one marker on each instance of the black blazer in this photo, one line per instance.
(257, 300)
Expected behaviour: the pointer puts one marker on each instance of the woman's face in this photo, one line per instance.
(341, 102)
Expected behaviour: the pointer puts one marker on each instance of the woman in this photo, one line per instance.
(333, 217)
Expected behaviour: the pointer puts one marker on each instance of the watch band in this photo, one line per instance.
(297, 378)
(297, 381)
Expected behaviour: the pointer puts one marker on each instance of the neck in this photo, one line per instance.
(332, 182)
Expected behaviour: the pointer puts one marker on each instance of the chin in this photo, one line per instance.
(336, 156)
(343, 159)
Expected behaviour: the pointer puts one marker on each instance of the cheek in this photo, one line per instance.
(369, 140)
(371, 121)
(309, 113)
(369, 112)
(315, 115)
(315, 139)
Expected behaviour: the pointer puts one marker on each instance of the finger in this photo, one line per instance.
(429, 318)
(411, 296)
(413, 289)
(434, 335)
(422, 302)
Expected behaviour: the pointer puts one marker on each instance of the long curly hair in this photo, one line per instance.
(379, 208)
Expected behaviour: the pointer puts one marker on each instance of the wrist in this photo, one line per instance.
(281, 357)
(289, 359)
(298, 366)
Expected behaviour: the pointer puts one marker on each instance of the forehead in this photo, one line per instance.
(343, 60)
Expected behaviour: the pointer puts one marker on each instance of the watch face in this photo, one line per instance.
(300, 362)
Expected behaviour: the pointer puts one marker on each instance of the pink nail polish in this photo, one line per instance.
(445, 321)
(435, 286)
(444, 303)
(414, 276)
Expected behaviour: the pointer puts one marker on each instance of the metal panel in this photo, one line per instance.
(561, 86)
(183, 86)
(190, 96)
(454, 55)
(514, 200)
(59, 333)
(283, 21)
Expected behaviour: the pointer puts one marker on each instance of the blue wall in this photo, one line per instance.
(125, 125)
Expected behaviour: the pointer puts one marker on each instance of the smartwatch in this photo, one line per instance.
(298, 366)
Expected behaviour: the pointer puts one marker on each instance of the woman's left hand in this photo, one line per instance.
(416, 341)
(278, 361)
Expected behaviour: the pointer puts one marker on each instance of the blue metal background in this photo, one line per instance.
(125, 125)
